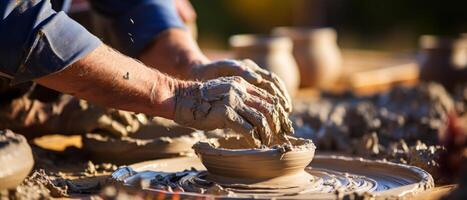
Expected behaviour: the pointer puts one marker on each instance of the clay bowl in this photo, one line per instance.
(229, 162)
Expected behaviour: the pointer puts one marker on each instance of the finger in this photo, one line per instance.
(267, 110)
(286, 124)
(275, 112)
(237, 68)
(259, 122)
(236, 122)
(272, 89)
(282, 124)
(277, 118)
(265, 74)
(251, 77)
(271, 77)
(261, 93)
(281, 86)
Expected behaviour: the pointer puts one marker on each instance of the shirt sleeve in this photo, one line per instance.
(37, 41)
(136, 23)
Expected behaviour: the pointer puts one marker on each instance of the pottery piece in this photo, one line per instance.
(443, 60)
(332, 174)
(229, 162)
(317, 54)
(16, 159)
(271, 53)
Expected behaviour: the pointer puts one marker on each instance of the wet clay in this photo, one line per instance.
(61, 174)
(231, 163)
(15, 158)
(158, 139)
(221, 103)
(332, 176)
(388, 125)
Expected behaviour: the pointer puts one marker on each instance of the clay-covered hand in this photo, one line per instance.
(248, 70)
(231, 102)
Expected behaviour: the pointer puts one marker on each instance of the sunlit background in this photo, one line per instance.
(387, 25)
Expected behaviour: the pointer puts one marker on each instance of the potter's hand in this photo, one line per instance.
(248, 70)
(231, 102)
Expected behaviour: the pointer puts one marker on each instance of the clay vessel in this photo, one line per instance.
(317, 54)
(271, 53)
(159, 139)
(229, 162)
(443, 60)
(16, 159)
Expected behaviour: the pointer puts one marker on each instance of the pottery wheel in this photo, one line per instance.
(329, 175)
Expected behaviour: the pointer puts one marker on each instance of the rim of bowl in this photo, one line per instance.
(207, 148)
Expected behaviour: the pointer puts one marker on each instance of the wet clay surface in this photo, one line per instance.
(158, 138)
(280, 166)
(418, 113)
(61, 174)
(331, 175)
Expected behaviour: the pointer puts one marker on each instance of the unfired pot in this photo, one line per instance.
(317, 54)
(230, 162)
(443, 60)
(271, 53)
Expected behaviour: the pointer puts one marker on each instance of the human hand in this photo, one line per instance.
(248, 70)
(231, 102)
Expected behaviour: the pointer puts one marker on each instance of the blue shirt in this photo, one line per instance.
(35, 40)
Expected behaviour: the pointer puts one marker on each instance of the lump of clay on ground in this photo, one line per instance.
(368, 126)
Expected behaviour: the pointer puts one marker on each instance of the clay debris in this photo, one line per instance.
(38, 185)
(373, 126)
(44, 185)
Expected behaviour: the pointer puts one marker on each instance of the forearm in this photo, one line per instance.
(174, 52)
(111, 79)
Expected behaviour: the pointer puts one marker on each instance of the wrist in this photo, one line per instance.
(175, 88)
(174, 52)
(187, 97)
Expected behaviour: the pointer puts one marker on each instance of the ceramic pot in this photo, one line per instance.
(317, 54)
(443, 60)
(271, 53)
(16, 159)
(231, 162)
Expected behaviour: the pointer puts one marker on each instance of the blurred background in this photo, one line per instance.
(383, 25)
